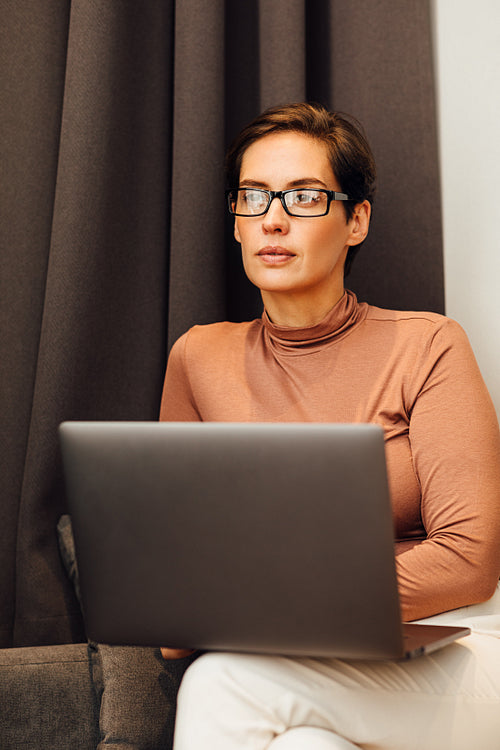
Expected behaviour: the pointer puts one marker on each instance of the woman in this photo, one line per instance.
(302, 183)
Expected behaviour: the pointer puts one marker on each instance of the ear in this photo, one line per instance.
(360, 223)
(236, 232)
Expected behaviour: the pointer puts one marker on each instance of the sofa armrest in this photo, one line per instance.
(47, 698)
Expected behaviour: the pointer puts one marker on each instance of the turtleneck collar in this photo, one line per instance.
(335, 325)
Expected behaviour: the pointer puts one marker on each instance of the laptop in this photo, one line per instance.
(266, 538)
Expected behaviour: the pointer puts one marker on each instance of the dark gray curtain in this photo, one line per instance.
(114, 117)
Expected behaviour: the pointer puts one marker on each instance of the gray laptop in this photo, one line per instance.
(271, 538)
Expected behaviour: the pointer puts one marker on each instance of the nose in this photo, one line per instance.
(276, 219)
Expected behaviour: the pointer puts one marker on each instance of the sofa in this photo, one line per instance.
(87, 696)
(83, 696)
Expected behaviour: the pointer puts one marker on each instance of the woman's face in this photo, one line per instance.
(296, 260)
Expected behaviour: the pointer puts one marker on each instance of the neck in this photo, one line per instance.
(298, 312)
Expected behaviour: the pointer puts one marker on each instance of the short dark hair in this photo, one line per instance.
(350, 155)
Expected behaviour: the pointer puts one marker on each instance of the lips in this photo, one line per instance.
(274, 254)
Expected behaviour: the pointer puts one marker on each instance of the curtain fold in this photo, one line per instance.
(196, 278)
(384, 76)
(33, 46)
(282, 52)
(114, 240)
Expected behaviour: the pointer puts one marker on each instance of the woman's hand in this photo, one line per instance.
(175, 653)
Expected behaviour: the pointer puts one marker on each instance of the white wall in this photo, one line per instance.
(467, 47)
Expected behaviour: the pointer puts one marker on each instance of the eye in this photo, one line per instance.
(314, 196)
(309, 197)
(254, 199)
(305, 198)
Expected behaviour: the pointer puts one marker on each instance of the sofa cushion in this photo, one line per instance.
(138, 691)
(47, 698)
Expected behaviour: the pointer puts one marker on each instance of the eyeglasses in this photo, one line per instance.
(296, 202)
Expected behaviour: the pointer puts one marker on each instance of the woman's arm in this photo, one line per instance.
(177, 403)
(455, 445)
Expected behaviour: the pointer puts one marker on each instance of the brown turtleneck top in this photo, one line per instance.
(412, 373)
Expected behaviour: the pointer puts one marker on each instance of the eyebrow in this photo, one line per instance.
(301, 182)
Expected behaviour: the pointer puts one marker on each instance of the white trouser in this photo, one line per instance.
(449, 700)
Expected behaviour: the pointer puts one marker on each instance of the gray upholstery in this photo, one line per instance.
(47, 699)
(79, 697)
(138, 693)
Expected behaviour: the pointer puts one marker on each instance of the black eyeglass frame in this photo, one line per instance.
(332, 195)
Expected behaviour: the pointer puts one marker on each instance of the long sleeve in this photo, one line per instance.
(177, 403)
(455, 446)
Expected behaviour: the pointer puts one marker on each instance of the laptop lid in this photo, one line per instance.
(274, 538)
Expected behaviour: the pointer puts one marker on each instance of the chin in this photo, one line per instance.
(273, 280)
